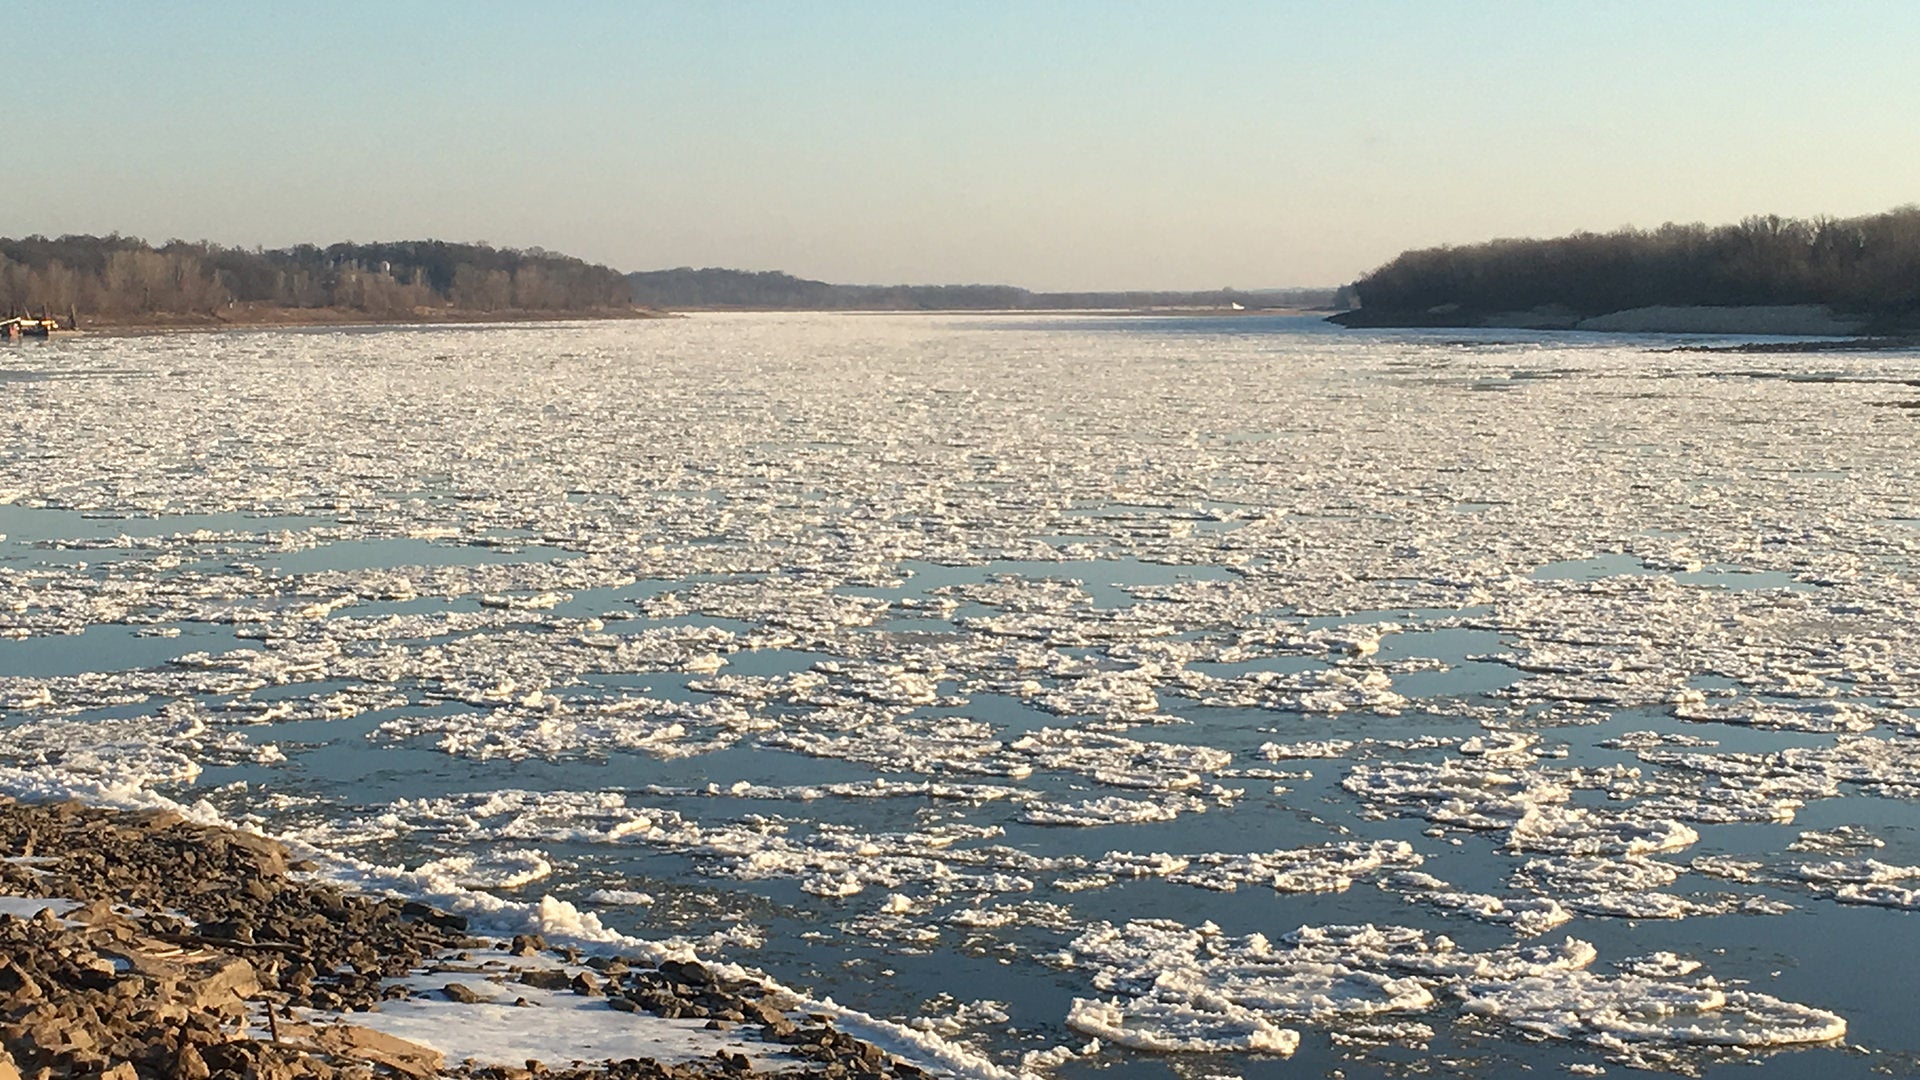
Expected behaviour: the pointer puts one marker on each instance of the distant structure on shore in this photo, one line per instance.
(1765, 275)
(719, 289)
(19, 326)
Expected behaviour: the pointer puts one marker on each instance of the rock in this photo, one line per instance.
(527, 944)
(269, 856)
(687, 972)
(93, 912)
(763, 1012)
(647, 979)
(407, 1058)
(422, 913)
(59, 1033)
(546, 978)
(153, 821)
(228, 930)
(189, 1065)
(225, 980)
(8, 1070)
(460, 992)
(16, 985)
(236, 1056)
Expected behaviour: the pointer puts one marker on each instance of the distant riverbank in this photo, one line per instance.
(1766, 275)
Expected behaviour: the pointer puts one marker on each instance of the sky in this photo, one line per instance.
(1072, 144)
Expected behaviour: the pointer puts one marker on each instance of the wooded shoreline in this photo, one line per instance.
(1765, 275)
(117, 280)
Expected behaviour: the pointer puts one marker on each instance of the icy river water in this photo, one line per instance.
(1205, 697)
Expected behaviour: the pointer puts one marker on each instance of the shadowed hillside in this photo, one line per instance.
(712, 288)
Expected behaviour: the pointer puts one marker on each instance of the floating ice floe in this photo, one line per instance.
(1198, 989)
(1618, 1011)
(1112, 810)
(1326, 868)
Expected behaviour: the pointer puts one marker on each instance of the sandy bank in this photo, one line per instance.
(1810, 320)
(1783, 320)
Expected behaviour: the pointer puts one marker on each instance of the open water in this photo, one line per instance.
(1215, 697)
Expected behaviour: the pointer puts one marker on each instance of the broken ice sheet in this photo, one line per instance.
(772, 600)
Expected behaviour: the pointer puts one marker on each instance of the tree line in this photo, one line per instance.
(125, 276)
(764, 290)
(1868, 265)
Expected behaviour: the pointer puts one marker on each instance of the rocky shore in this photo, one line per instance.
(140, 946)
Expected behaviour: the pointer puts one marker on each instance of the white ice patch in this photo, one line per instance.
(1173, 1026)
(1843, 839)
(1529, 917)
(1325, 868)
(1325, 748)
(1611, 1011)
(1111, 810)
(26, 907)
(1174, 987)
(1659, 965)
(620, 897)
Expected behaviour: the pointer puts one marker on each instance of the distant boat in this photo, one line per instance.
(1236, 305)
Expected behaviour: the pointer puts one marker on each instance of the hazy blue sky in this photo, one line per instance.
(1055, 145)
